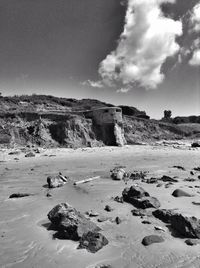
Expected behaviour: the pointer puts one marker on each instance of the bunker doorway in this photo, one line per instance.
(109, 135)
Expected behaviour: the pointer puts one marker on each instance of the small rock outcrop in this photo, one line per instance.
(168, 179)
(151, 239)
(139, 198)
(69, 223)
(117, 173)
(92, 241)
(19, 195)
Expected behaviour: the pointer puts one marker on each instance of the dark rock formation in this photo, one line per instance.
(195, 145)
(19, 195)
(31, 154)
(180, 193)
(138, 197)
(168, 179)
(185, 226)
(138, 212)
(117, 173)
(151, 239)
(69, 223)
(92, 241)
(54, 182)
(108, 208)
(192, 242)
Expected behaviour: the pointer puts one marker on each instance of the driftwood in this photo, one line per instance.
(86, 180)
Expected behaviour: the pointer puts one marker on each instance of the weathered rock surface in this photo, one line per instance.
(138, 197)
(92, 241)
(180, 193)
(69, 223)
(117, 173)
(54, 182)
(151, 239)
(138, 212)
(31, 154)
(192, 242)
(185, 226)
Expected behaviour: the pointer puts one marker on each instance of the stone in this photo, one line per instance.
(133, 192)
(180, 193)
(138, 212)
(103, 218)
(19, 195)
(168, 179)
(151, 180)
(118, 220)
(189, 179)
(195, 145)
(179, 167)
(92, 241)
(92, 213)
(69, 223)
(119, 199)
(54, 182)
(192, 242)
(151, 239)
(146, 202)
(103, 266)
(117, 174)
(108, 208)
(185, 226)
(31, 154)
(48, 195)
(146, 222)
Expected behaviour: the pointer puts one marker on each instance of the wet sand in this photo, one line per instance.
(25, 240)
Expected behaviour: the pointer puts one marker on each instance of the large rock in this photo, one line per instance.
(92, 241)
(54, 182)
(151, 239)
(117, 173)
(168, 179)
(69, 223)
(138, 197)
(185, 226)
(180, 193)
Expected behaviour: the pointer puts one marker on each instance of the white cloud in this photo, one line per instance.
(147, 40)
(97, 84)
(195, 60)
(195, 18)
(123, 90)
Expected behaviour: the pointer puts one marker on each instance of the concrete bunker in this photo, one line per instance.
(108, 125)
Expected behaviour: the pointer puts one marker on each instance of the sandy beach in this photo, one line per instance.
(24, 235)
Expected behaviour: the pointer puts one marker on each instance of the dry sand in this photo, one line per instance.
(25, 240)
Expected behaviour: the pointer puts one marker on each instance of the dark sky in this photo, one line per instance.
(53, 46)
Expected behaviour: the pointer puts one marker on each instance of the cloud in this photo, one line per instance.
(97, 84)
(195, 18)
(195, 60)
(147, 40)
(123, 90)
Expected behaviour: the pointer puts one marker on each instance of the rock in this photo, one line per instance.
(14, 153)
(31, 154)
(195, 145)
(138, 197)
(151, 180)
(103, 218)
(54, 182)
(185, 226)
(119, 199)
(19, 195)
(168, 179)
(179, 167)
(151, 239)
(146, 202)
(163, 214)
(108, 208)
(192, 242)
(118, 220)
(92, 241)
(117, 173)
(197, 168)
(92, 213)
(48, 195)
(189, 179)
(138, 175)
(159, 185)
(138, 212)
(133, 192)
(69, 223)
(191, 173)
(146, 222)
(103, 266)
(158, 228)
(196, 203)
(180, 193)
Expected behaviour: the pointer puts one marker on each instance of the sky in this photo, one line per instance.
(141, 53)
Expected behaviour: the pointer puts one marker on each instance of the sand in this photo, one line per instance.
(25, 240)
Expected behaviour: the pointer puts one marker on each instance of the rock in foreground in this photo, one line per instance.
(69, 223)
(92, 241)
(151, 239)
(54, 182)
(180, 193)
(19, 195)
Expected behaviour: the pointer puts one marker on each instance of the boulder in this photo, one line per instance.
(168, 179)
(133, 192)
(108, 208)
(31, 154)
(192, 242)
(180, 193)
(69, 223)
(195, 145)
(92, 241)
(151, 239)
(117, 173)
(185, 226)
(54, 182)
